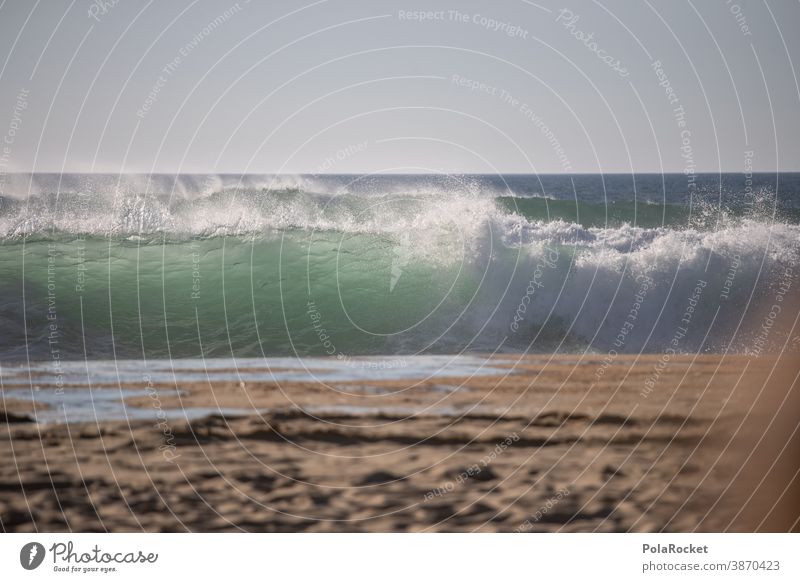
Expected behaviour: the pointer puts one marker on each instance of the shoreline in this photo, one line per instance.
(367, 455)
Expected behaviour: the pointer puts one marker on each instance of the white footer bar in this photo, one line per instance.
(400, 557)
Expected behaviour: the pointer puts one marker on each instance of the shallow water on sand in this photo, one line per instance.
(97, 391)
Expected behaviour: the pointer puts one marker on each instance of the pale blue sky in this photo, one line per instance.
(343, 86)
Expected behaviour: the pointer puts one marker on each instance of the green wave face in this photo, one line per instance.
(296, 293)
(343, 294)
(407, 268)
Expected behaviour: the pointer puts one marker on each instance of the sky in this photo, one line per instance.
(335, 86)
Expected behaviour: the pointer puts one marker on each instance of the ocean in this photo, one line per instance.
(134, 267)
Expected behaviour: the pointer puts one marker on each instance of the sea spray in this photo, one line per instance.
(395, 265)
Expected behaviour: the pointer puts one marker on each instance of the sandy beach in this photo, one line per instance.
(556, 443)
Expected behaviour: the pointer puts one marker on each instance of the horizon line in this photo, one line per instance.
(239, 173)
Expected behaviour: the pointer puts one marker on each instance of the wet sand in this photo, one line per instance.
(560, 443)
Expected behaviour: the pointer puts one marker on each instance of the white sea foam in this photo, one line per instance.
(461, 233)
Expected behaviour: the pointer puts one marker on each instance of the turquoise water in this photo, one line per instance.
(222, 266)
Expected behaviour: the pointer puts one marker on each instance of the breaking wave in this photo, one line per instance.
(220, 267)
